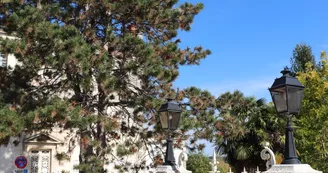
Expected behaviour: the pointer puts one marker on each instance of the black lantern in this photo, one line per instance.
(170, 113)
(287, 93)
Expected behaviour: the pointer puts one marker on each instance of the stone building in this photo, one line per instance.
(44, 151)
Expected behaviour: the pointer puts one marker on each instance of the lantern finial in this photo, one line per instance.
(286, 71)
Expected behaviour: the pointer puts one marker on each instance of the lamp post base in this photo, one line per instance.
(166, 169)
(291, 161)
(170, 169)
(292, 168)
(169, 155)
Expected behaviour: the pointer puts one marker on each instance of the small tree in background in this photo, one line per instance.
(198, 163)
(302, 54)
(312, 132)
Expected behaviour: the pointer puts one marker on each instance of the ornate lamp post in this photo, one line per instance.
(287, 93)
(170, 113)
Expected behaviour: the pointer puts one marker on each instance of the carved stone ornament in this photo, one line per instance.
(268, 155)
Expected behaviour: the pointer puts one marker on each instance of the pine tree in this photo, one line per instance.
(80, 59)
(302, 54)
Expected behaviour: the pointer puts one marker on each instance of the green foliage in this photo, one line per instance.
(80, 59)
(222, 166)
(11, 123)
(311, 132)
(62, 156)
(123, 150)
(200, 116)
(245, 124)
(198, 163)
(302, 54)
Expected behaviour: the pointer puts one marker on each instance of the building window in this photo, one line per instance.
(40, 161)
(3, 60)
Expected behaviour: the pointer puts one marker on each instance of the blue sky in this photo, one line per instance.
(251, 41)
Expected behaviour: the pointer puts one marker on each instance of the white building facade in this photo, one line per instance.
(44, 153)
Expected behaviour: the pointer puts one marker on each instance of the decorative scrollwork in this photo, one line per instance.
(265, 154)
(268, 155)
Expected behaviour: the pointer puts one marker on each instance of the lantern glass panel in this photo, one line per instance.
(174, 119)
(164, 119)
(279, 99)
(295, 95)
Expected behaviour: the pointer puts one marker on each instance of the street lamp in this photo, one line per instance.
(169, 115)
(287, 93)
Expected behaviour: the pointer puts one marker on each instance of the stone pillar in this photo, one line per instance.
(166, 169)
(180, 166)
(170, 169)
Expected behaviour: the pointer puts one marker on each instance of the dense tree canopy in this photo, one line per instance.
(311, 133)
(245, 125)
(103, 67)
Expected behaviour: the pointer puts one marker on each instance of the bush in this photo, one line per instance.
(223, 167)
(198, 163)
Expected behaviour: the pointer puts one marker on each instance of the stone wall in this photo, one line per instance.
(9, 153)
